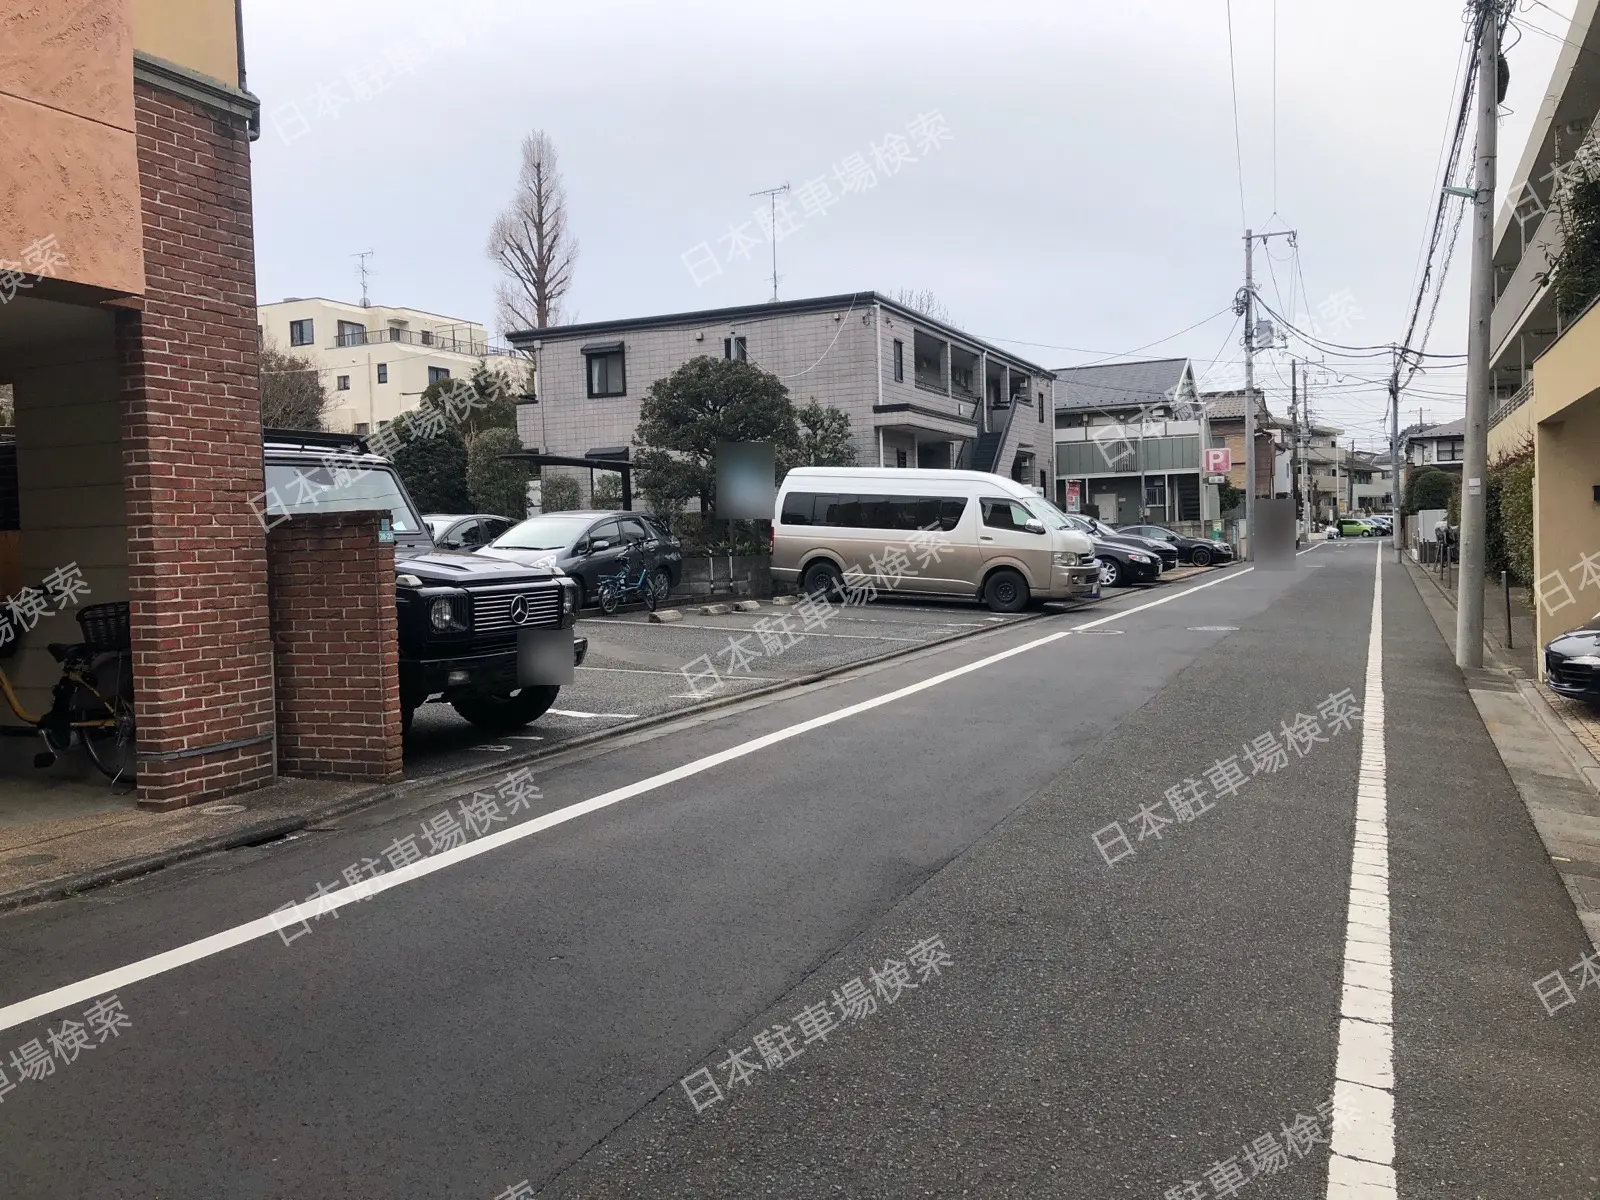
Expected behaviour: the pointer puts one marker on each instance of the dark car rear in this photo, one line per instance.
(1199, 552)
(588, 545)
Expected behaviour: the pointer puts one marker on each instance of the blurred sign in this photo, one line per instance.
(1216, 460)
(1074, 498)
(1216, 479)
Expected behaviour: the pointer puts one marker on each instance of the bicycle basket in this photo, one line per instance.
(106, 626)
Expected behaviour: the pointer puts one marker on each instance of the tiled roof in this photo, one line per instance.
(1453, 429)
(1118, 385)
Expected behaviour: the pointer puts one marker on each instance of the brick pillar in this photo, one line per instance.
(338, 649)
(197, 564)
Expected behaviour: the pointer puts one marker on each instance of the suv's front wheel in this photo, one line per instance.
(501, 714)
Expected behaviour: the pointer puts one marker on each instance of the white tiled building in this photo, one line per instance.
(918, 393)
(376, 361)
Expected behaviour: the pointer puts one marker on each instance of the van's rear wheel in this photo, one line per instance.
(822, 578)
(1006, 592)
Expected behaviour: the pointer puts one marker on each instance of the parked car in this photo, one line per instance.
(467, 626)
(1355, 527)
(467, 532)
(589, 545)
(996, 540)
(1572, 663)
(1199, 552)
(1166, 555)
(1122, 565)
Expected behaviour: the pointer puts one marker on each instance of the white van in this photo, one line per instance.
(928, 533)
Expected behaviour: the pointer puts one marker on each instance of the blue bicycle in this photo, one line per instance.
(618, 589)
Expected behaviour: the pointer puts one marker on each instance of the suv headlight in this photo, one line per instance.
(569, 598)
(448, 614)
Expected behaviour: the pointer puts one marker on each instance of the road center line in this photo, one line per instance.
(74, 994)
(1362, 1162)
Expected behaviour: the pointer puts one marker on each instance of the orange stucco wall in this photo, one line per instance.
(198, 34)
(68, 164)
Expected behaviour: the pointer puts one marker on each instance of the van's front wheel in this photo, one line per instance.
(1006, 592)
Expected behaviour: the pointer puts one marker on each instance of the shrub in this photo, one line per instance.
(1429, 487)
(435, 472)
(560, 493)
(498, 485)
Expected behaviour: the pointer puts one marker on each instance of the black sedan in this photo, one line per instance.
(1572, 663)
(1164, 554)
(455, 532)
(1123, 565)
(1200, 552)
(590, 545)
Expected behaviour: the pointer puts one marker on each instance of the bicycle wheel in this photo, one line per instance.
(608, 599)
(647, 590)
(114, 749)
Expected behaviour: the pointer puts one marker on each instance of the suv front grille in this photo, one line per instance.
(492, 609)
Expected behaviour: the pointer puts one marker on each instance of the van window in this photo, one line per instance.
(1005, 514)
(873, 511)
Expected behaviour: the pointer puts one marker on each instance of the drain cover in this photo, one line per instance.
(222, 810)
(1213, 629)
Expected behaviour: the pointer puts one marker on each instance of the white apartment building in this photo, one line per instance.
(375, 361)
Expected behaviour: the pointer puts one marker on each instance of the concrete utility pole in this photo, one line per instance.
(1394, 452)
(1294, 449)
(1247, 307)
(1469, 599)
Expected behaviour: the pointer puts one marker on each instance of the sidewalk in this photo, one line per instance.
(1547, 743)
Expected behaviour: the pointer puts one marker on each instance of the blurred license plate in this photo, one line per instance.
(544, 657)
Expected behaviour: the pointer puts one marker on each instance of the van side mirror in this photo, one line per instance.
(1034, 525)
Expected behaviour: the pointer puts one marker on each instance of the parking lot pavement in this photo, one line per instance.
(636, 668)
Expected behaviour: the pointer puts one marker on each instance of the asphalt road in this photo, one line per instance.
(525, 1007)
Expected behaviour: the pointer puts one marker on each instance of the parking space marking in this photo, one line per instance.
(567, 712)
(862, 637)
(671, 674)
(83, 990)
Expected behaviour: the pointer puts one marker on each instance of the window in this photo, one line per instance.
(493, 527)
(437, 373)
(872, 512)
(899, 361)
(1005, 514)
(362, 429)
(608, 531)
(383, 372)
(900, 458)
(1041, 408)
(734, 348)
(352, 333)
(342, 383)
(427, 337)
(606, 374)
(634, 531)
(308, 488)
(302, 333)
(1451, 451)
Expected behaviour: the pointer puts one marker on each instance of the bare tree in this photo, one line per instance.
(292, 395)
(530, 242)
(925, 302)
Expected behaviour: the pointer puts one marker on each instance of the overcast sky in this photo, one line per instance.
(1069, 189)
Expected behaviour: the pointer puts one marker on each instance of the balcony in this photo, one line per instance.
(446, 343)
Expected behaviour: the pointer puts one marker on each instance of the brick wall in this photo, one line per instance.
(338, 652)
(197, 566)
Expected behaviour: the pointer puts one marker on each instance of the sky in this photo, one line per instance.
(1067, 177)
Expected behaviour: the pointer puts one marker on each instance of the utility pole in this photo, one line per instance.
(772, 195)
(1246, 306)
(1294, 449)
(1469, 600)
(1394, 452)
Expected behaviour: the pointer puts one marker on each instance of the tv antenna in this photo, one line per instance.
(361, 258)
(772, 195)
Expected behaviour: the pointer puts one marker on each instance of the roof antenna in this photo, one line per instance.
(772, 194)
(362, 258)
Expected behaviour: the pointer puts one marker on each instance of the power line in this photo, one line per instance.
(1238, 144)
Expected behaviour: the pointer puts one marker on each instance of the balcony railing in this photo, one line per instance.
(444, 342)
(1507, 407)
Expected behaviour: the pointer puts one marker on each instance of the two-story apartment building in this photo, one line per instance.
(1441, 446)
(374, 361)
(918, 393)
(1127, 441)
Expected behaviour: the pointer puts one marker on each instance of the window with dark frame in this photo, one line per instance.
(899, 361)
(302, 333)
(351, 333)
(872, 511)
(734, 348)
(342, 383)
(383, 372)
(435, 374)
(606, 370)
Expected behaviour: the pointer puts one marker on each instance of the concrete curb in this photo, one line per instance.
(118, 872)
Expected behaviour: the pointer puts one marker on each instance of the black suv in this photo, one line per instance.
(473, 631)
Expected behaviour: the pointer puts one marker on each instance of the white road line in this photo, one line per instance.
(567, 712)
(862, 637)
(1362, 1163)
(672, 674)
(74, 994)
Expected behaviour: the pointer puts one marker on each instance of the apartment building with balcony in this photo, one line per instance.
(375, 360)
(1128, 438)
(918, 393)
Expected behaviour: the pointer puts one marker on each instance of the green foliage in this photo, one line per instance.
(484, 401)
(1575, 272)
(825, 439)
(1429, 487)
(1228, 497)
(685, 415)
(498, 485)
(434, 470)
(292, 395)
(1511, 516)
(607, 492)
(561, 493)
